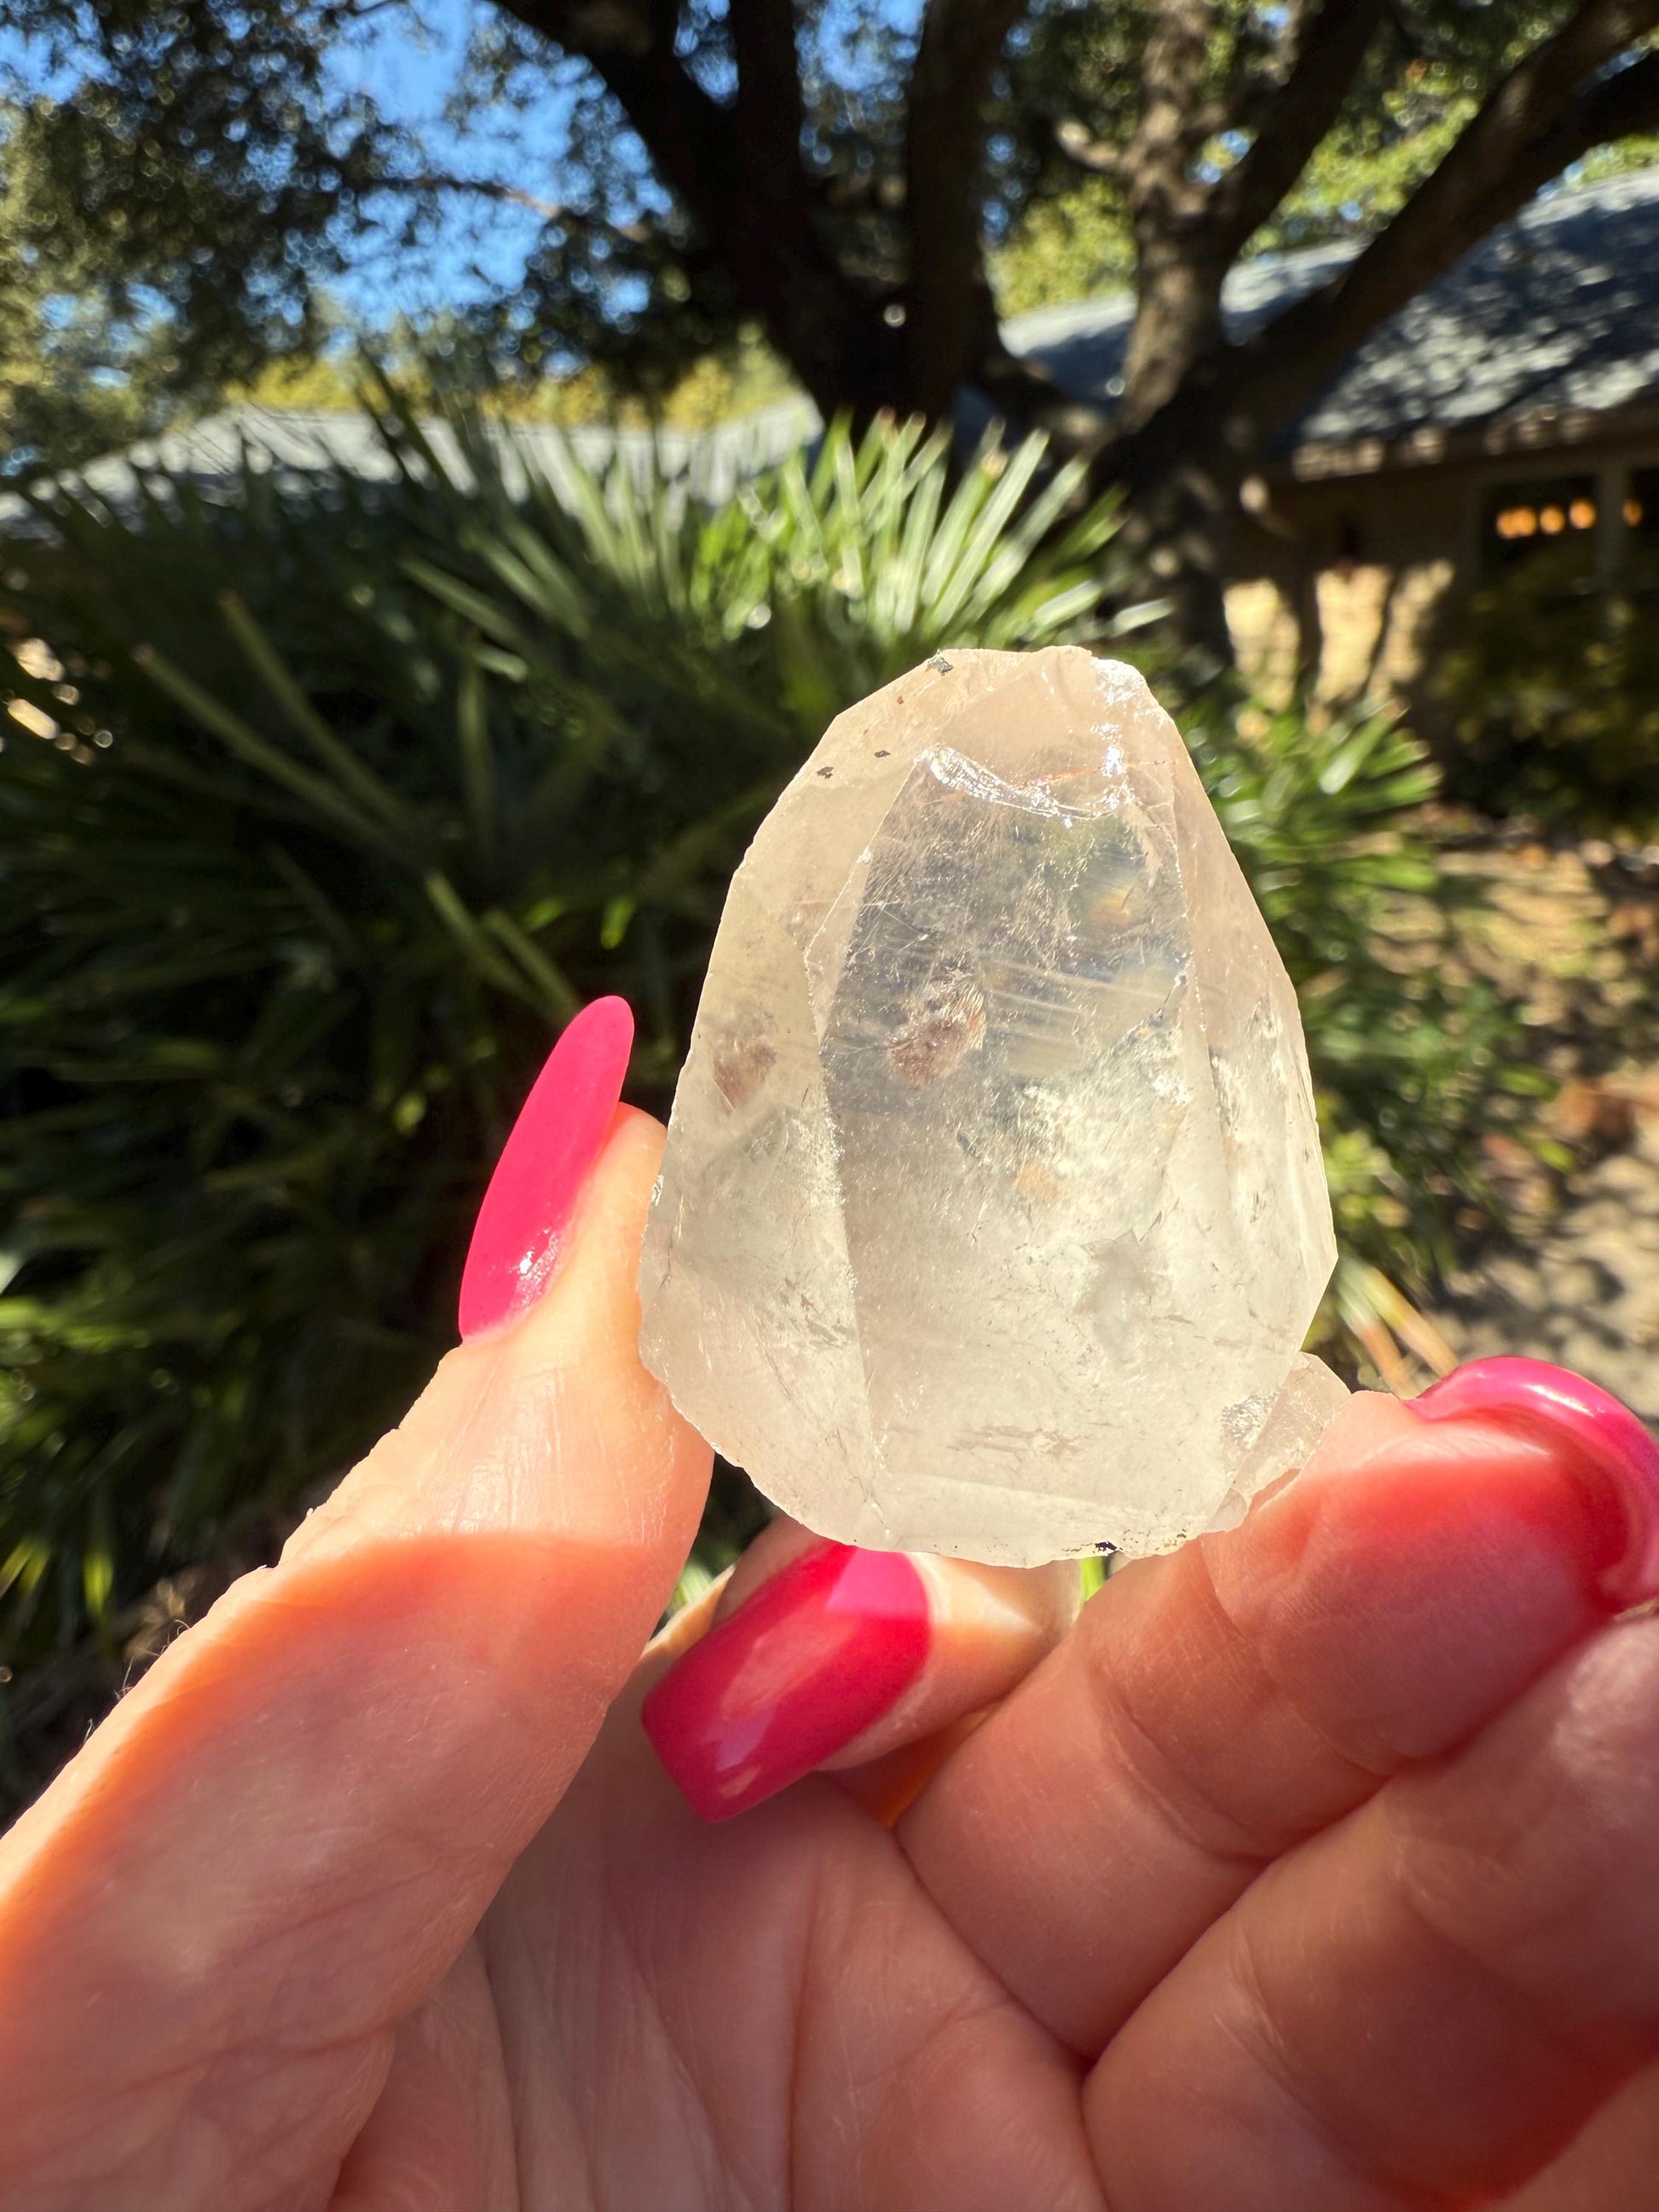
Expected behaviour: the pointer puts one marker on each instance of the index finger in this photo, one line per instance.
(278, 1843)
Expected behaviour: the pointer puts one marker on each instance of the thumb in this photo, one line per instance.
(278, 1843)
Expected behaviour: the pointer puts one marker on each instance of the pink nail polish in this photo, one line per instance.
(517, 1237)
(1602, 1437)
(816, 1655)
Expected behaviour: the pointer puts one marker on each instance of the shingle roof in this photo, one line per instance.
(295, 444)
(1558, 309)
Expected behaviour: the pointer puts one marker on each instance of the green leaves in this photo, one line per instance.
(1552, 690)
(402, 773)
(1411, 1054)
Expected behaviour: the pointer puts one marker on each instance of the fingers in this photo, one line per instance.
(1213, 1708)
(440, 2137)
(1613, 2161)
(1426, 2002)
(279, 1842)
(986, 1628)
(821, 1656)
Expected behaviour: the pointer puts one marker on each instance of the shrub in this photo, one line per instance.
(360, 788)
(1415, 1059)
(400, 774)
(1550, 690)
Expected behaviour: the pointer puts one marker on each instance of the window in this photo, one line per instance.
(1642, 515)
(1540, 516)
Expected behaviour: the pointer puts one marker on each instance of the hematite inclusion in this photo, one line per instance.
(993, 1214)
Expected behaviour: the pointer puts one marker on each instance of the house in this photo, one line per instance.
(1511, 409)
(295, 443)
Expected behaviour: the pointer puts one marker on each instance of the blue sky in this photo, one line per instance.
(407, 60)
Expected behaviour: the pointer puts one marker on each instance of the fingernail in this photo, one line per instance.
(518, 1235)
(1603, 1438)
(814, 1658)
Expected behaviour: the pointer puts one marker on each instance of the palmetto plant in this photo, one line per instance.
(393, 776)
(359, 788)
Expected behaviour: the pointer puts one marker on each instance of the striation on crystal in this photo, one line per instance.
(993, 1214)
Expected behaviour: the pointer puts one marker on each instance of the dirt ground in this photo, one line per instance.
(1582, 1288)
(1573, 931)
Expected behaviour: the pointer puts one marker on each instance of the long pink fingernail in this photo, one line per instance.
(816, 1655)
(1603, 1437)
(518, 1235)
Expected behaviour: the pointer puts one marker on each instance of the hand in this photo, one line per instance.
(1316, 1870)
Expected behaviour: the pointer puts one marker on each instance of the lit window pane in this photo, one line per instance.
(1539, 516)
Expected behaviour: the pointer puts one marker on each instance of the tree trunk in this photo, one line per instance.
(1178, 515)
(1180, 483)
(849, 359)
(1181, 472)
(1196, 412)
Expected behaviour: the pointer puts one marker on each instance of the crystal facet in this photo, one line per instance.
(993, 1214)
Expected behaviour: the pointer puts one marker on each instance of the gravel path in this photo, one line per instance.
(1571, 934)
(1584, 1290)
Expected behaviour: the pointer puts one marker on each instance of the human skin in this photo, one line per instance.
(1315, 1869)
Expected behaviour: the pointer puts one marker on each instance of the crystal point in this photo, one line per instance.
(993, 1214)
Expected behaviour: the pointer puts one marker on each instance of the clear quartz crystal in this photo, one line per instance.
(993, 1214)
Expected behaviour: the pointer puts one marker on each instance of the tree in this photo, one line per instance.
(836, 178)
(79, 371)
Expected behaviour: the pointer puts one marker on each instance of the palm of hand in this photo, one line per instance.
(790, 2012)
(1314, 1873)
(769, 2015)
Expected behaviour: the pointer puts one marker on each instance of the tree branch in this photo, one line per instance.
(1164, 197)
(782, 262)
(961, 43)
(1177, 125)
(631, 45)
(1029, 395)
(1622, 105)
(1295, 117)
(736, 172)
(1553, 107)
(770, 117)
(491, 188)
(1097, 155)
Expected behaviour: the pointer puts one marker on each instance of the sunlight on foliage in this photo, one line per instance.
(1551, 688)
(401, 774)
(360, 788)
(721, 387)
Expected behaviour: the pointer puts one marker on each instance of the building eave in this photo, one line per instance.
(1544, 430)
